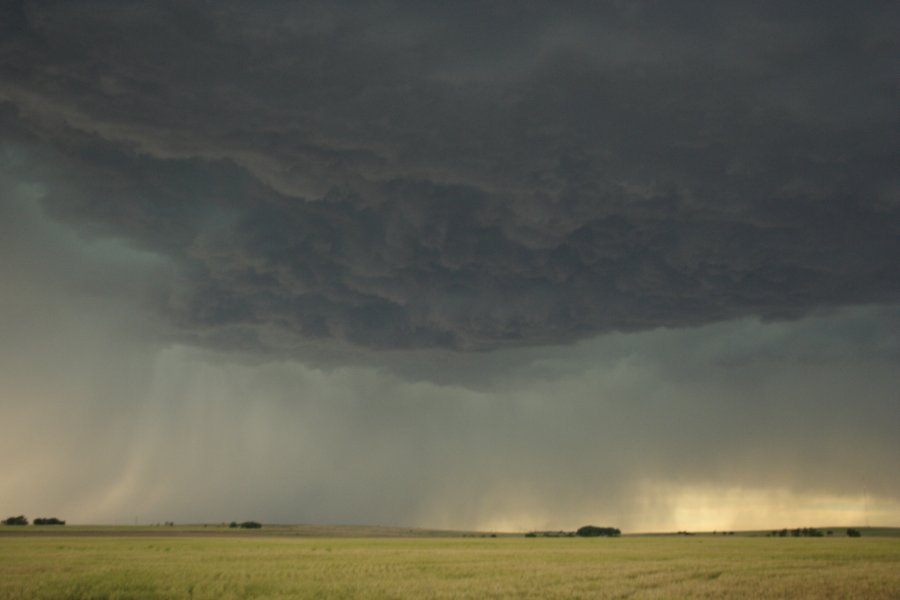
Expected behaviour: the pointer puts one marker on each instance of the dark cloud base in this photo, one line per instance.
(468, 178)
(736, 424)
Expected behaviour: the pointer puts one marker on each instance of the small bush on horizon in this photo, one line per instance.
(20, 520)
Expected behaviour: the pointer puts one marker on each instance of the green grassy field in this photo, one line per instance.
(255, 566)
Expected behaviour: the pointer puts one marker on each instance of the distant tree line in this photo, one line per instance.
(245, 525)
(594, 531)
(22, 520)
(586, 531)
(810, 532)
(551, 534)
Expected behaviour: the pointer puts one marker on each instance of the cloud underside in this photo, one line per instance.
(725, 426)
(646, 431)
(407, 177)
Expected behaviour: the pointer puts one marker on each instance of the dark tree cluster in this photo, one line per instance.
(22, 520)
(245, 525)
(593, 531)
(799, 532)
(853, 533)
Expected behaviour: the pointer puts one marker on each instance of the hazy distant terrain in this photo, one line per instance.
(200, 530)
(353, 531)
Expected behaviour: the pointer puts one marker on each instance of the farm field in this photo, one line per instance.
(194, 566)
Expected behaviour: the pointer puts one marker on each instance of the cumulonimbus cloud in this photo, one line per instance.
(469, 177)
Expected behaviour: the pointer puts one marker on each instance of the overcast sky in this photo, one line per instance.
(498, 265)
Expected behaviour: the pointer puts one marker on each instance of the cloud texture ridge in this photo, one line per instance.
(467, 176)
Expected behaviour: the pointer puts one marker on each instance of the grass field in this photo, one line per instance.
(186, 565)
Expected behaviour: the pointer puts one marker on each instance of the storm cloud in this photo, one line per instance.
(467, 264)
(729, 425)
(402, 175)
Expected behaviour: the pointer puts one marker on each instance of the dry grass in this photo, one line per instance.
(257, 567)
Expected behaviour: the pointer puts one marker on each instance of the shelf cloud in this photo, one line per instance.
(405, 176)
